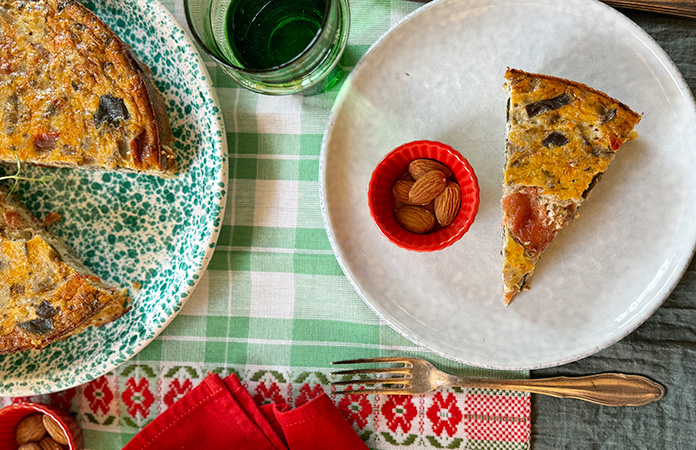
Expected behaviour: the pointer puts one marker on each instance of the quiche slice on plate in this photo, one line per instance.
(46, 293)
(561, 137)
(74, 95)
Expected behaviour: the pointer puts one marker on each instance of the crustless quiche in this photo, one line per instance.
(561, 137)
(72, 94)
(46, 293)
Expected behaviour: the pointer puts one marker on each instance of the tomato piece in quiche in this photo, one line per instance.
(46, 293)
(561, 137)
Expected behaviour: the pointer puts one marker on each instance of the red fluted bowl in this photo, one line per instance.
(10, 416)
(382, 202)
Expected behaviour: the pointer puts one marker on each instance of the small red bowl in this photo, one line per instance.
(382, 202)
(10, 416)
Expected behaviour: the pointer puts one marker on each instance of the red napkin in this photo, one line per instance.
(220, 414)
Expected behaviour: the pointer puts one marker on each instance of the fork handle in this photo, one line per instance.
(610, 389)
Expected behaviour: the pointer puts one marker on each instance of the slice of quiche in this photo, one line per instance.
(74, 95)
(561, 137)
(46, 294)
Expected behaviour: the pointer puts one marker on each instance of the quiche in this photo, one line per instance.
(46, 293)
(561, 137)
(72, 94)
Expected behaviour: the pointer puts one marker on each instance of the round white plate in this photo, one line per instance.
(129, 227)
(438, 75)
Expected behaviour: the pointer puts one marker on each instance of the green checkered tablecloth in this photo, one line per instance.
(274, 306)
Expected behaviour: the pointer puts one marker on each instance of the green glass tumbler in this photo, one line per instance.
(274, 47)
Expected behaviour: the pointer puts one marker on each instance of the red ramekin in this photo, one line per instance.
(11, 415)
(382, 202)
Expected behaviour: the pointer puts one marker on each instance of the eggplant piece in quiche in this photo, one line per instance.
(561, 137)
(46, 293)
(72, 94)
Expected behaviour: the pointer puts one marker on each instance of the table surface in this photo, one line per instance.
(276, 248)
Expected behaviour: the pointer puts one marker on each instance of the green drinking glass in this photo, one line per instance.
(274, 47)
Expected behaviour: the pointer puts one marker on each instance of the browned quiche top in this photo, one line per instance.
(72, 93)
(561, 137)
(46, 294)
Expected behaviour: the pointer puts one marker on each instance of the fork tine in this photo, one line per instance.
(404, 381)
(388, 385)
(399, 370)
(375, 391)
(384, 359)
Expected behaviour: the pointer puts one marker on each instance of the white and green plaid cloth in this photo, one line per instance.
(274, 306)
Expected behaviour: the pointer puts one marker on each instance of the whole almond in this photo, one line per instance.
(427, 187)
(415, 219)
(30, 429)
(447, 204)
(401, 189)
(419, 167)
(48, 443)
(54, 430)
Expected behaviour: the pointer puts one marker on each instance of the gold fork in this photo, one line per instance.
(418, 376)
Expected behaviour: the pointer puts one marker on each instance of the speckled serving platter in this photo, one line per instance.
(152, 235)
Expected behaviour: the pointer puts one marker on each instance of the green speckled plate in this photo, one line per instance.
(135, 228)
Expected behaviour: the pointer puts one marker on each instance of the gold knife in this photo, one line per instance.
(682, 8)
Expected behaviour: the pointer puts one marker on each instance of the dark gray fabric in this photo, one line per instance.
(663, 348)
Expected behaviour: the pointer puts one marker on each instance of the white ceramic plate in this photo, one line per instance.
(438, 75)
(130, 227)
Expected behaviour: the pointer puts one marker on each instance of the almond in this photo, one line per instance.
(427, 187)
(30, 429)
(415, 219)
(401, 189)
(447, 204)
(419, 167)
(54, 430)
(30, 446)
(49, 444)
